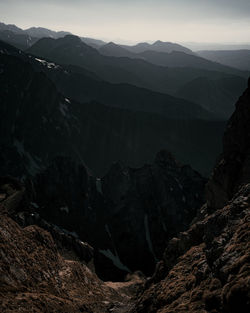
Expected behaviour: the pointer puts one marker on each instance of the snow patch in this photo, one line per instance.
(64, 209)
(108, 230)
(179, 184)
(148, 237)
(33, 167)
(115, 259)
(99, 185)
(35, 205)
(48, 64)
(63, 109)
(164, 226)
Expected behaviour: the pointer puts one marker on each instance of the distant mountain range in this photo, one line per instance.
(138, 101)
(158, 46)
(132, 126)
(70, 50)
(237, 58)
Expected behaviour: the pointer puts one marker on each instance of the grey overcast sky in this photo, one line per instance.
(136, 20)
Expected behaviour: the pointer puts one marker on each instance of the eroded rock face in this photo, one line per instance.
(207, 268)
(147, 206)
(208, 272)
(233, 167)
(127, 216)
(36, 276)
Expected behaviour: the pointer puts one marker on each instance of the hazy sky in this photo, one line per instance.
(136, 20)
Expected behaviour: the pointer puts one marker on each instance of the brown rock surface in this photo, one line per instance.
(213, 276)
(35, 277)
(233, 167)
(207, 268)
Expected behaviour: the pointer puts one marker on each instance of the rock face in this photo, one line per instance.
(127, 216)
(206, 268)
(233, 167)
(35, 277)
(146, 206)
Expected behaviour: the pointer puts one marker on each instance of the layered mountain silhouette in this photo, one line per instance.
(70, 50)
(159, 46)
(236, 58)
(83, 131)
(184, 67)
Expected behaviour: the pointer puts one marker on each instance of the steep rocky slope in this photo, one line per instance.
(127, 216)
(35, 276)
(206, 268)
(70, 50)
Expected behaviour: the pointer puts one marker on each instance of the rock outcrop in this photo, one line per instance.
(36, 276)
(207, 268)
(127, 216)
(233, 167)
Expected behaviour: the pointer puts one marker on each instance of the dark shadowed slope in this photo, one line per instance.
(206, 269)
(71, 50)
(30, 104)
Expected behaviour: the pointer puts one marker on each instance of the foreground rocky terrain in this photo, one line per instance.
(62, 229)
(203, 269)
(42, 274)
(206, 268)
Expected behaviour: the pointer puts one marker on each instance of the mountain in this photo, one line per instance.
(158, 46)
(196, 46)
(83, 130)
(70, 50)
(216, 95)
(12, 28)
(236, 58)
(23, 39)
(19, 40)
(112, 49)
(168, 59)
(206, 268)
(95, 43)
(155, 201)
(40, 32)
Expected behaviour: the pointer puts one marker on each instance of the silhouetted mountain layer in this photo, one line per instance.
(70, 50)
(11, 27)
(91, 129)
(236, 58)
(216, 95)
(169, 59)
(159, 46)
(40, 32)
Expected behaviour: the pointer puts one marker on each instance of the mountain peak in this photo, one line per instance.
(71, 39)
